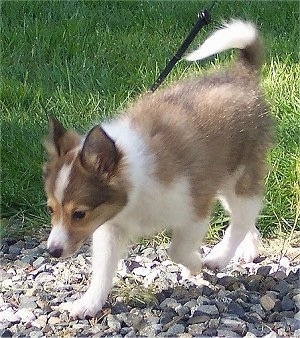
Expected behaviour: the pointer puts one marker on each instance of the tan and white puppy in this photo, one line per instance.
(161, 165)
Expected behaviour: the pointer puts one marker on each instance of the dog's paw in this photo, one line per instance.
(218, 258)
(248, 249)
(85, 307)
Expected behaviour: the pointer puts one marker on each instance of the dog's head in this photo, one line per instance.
(83, 184)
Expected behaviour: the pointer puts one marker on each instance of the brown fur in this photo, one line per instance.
(207, 128)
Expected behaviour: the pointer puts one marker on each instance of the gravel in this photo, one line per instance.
(152, 296)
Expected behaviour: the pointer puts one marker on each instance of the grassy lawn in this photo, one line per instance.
(83, 61)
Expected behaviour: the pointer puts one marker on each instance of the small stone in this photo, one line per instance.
(175, 330)
(198, 319)
(227, 333)
(6, 333)
(258, 309)
(282, 287)
(287, 303)
(275, 317)
(190, 304)
(210, 310)
(196, 329)
(252, 318)
(182, 310)
(41, 321)
(169, 303)
(54, 321)
(39, 261)
(113, 322)
(296, 299)
(235, 308)
(297, 315)
(214, 323)
(10, 316)
(36, 334)
(267, 302)
(264, 270)
(26, 315)
(141, 271)
(150, 330)
(226, 281)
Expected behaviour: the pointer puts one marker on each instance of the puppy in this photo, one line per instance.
(162, 164)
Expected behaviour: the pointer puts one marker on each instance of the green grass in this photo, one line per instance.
(83, 61)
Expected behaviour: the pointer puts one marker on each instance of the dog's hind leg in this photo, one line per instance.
(186, 241)
(241, 237)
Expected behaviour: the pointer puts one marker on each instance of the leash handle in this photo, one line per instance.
(204, 18)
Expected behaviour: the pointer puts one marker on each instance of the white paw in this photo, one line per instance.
(218, 257)
(85, 307)
(248, 249)
(191, 261)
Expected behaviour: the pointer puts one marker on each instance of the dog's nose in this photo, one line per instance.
(56, 252)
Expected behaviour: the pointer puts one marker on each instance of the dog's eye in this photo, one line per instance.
(77, 215)
(50, 210)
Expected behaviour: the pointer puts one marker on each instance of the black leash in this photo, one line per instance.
(204, 18)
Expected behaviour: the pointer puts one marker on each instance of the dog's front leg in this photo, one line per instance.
(108, 246)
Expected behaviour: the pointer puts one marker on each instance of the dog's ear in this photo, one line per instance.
(59, 140)
(99, 154)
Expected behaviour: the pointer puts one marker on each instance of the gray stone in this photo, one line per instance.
(264, 270)
(198, 319)
(227, 333)
(169, 303)
(287, 303)
(175, 330)
(210, 310)
(235, 308)
(182, 310)
(39, 261)
(150, 330)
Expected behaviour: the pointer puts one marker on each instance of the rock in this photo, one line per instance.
(282, 287)
(210, 310)
(169, 303)
(296, 299)
(26, 315)
(40, 322)
(264, 270)
(198, 319)
(235, 308)
(113, 322)
(10, 316)
(267, 302)
(150, 330)
(196, 329)
(175, 330)
(287, 303)
(6, 333)
(39, 261)
(226, 333)
(54, 320)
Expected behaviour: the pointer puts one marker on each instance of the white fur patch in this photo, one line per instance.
(58, 237)
(62, 181)
(235, 34)
(152, 206)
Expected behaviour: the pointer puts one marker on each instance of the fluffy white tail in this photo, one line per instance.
(234, 34)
